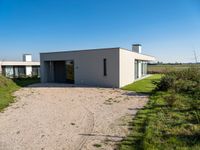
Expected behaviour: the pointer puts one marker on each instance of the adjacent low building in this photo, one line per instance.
(18, 69)
(106, 67)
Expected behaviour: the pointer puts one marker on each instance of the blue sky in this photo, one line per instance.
(167, 29)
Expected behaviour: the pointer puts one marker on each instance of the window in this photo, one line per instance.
(104, 67)
(136, 69)
(35, 71)
(70, 71)
(8, 71)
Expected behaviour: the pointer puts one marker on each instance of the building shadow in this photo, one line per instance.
(65, 85)
(135, 94)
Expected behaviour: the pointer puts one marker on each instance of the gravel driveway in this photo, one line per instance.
(60, 117)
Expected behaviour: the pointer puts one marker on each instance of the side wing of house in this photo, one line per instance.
(17, 69)
(132, 66)
(88, 67)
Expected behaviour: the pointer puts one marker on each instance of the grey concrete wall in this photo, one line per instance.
(88, 66)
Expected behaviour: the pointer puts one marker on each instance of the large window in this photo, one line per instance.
(8, 71)
(140, 68)
(35, 71)
(144, 68)
(136, 69)
(105, 67)
(69, 71)
(19, 71)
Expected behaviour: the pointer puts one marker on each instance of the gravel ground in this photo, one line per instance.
(51, 116)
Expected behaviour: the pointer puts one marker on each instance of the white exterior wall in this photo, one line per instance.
(27, 57)
(19, 63)
(29, 70)
(88, 66)
(126, 67)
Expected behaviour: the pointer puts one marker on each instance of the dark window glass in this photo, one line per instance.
(22, 71)
(136, 69)
(69, 71)
(35, 71)
(104, 67)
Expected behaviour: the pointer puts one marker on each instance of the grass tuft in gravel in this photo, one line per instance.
(97, 145)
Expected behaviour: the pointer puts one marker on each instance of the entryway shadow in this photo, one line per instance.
(63, 85)
(39, 85)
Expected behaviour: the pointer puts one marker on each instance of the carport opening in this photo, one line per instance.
(64, 71)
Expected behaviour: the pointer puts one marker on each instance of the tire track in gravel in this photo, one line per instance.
(88, 130)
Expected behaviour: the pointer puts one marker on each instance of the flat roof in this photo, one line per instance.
(136, 52)
(19, 63)
(65, 51)
(97, 49)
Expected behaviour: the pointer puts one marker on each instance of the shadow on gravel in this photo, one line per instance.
(63, 85)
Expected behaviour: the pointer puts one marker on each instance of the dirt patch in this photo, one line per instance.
(67, 118)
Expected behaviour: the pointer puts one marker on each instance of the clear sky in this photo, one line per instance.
(167, 29)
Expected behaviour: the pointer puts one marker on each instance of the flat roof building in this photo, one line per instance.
(18, 69)
(106, 67)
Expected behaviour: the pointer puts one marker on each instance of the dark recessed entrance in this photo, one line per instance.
(64, 71)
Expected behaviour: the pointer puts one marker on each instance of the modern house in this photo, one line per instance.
(18, 69)
(106, 67)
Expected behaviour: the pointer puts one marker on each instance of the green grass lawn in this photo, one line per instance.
(143, 86)
(8, 87)
(158, 126)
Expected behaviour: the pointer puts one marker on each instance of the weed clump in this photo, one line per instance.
(184, 82)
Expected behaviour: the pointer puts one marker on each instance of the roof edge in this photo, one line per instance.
(64, 51)
(136, 52)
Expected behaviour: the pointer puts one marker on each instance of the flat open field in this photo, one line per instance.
(168, 67)
(67, 118)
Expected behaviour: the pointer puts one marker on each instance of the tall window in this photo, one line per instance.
(136, 69)
(36, 71)
(104, 67)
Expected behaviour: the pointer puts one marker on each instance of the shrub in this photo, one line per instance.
(172, 98)
(185, 86)
(165, 83)
(185, 81)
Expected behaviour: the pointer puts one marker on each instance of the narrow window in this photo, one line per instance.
(104, 67)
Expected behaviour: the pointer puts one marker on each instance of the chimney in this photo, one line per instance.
(137, 48)
(27, 57)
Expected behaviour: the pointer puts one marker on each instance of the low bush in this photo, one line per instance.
(172, 98)
(184, 81)
(166, 82)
